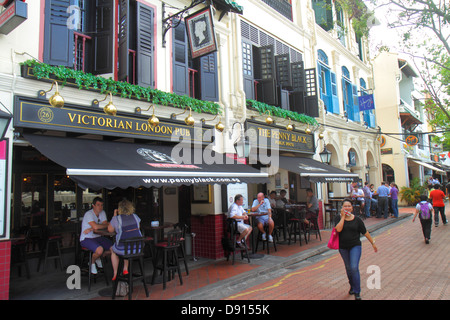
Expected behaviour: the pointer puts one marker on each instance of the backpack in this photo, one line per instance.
(425, 210)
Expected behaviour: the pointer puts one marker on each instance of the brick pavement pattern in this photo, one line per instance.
(409, 270)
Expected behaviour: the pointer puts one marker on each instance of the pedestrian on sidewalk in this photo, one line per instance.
(394, 198)
(350, 228)
(426, 213)
(383, 202)
(437, 196)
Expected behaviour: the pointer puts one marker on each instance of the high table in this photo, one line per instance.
(253, 216)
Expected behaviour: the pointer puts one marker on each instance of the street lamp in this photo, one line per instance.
(5, 119)
(325, 155)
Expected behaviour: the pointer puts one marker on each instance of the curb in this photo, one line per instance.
(209, 292)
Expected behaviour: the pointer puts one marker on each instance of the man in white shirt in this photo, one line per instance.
(95, 219)
(236, 211)
(261, 205)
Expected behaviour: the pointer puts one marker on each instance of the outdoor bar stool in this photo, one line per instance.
(19, 256)
(86, 253)
(229, 241)
(297, 227)
(133, 251)
(167, 252)
(313, 227)
(182, 250)
(52, 251)
(259, 238)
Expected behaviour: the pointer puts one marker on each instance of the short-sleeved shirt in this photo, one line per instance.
(438, 196)
(235, 210)
(314, 203)
(88, 217)
(264, 208)
(359, 194)
(430, 207)
(350, 235)
(383, 191)
(394, 193)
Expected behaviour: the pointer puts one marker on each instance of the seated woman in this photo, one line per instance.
(126, 224)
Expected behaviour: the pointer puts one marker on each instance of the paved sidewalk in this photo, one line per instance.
(309, 271)
(222, 280)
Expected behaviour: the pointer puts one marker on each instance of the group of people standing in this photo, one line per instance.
(387, 197)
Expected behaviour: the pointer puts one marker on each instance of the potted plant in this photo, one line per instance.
(411, 195)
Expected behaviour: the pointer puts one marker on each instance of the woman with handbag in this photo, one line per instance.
(350, 228)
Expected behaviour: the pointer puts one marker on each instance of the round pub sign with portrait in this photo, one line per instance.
(412, 140)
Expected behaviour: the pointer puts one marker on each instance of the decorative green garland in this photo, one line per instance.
(89, 81)
(282, 113)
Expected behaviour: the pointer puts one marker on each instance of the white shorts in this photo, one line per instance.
(242, 227)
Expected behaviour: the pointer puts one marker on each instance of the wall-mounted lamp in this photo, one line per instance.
(189, 120)
(153, 120)
(367, 167)
(349, 165)
(110, 109)
(55, 100)
(325, 155)
(219, 125)
(289, 127)
(242, 144)
(269, 119)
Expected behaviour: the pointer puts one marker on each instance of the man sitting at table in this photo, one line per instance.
(95, 219)
(261, 205)
(312, 206)
(236, 211)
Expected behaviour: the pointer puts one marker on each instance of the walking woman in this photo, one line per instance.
(350, 228)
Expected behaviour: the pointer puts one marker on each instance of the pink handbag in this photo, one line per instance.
(333, 243)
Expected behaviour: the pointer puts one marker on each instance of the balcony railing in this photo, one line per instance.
(282, 6)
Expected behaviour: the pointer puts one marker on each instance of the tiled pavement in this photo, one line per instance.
(309, 271)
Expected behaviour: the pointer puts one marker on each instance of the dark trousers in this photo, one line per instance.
(426, 227)
(382, 207)
(436, 215)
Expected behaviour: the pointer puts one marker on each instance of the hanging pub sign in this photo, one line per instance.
(366, 102)
(200, 32)
(13, 15)
(411, 140)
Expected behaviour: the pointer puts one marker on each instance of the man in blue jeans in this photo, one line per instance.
(383, 192)
(367, 199)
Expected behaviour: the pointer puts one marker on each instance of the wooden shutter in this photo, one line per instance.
(267, 62)
(334, 94)
(267, 92)
(124, 40)
(180, 60)
(283, 68)
(144, 45)
(58, 38)
(355, 103)
(209, 78)
(248, 71)
(104, 35)
(323, 13)
(311, 99)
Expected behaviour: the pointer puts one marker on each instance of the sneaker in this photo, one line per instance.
(270, 238)
(93, 269)
(239, 244)
(99, 264)
(263, 236)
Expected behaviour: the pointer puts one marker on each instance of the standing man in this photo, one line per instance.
(236, 211)
(383, 193)
(394, 198)
(95, 219)
(262, 206)
(437, 196)
(367, 198)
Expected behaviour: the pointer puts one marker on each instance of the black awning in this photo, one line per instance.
(316, 171)
(100, 164)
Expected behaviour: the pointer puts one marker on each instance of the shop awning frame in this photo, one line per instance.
(429, 166)
(316, 171)
(101, 164)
